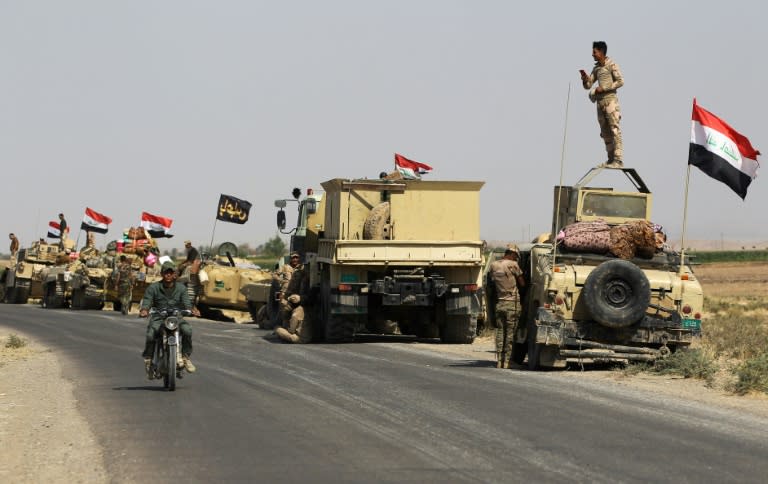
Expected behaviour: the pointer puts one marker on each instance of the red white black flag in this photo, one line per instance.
(156, 226)
(93, 221)
(54, 230)
(410, 169)
(721, 152)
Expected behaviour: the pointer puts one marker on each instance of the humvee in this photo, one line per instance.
(589, 307)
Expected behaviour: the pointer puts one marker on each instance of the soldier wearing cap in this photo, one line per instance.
(167, 294)
(508, 279)
(294, 283)
(14, 245)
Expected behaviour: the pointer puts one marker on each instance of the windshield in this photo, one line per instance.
(614, 205)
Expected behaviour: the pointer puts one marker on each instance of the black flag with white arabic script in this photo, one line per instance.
(233, 209)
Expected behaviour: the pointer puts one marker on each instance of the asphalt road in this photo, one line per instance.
(261, 411)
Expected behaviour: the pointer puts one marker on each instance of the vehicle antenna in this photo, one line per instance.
(560, 185)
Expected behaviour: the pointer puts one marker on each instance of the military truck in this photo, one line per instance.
(594, 307)
(23, 280)
(219, 287)
(391, 256)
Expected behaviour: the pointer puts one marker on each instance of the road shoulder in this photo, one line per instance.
(38, 414)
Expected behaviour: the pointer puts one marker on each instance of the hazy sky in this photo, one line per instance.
(161, 106)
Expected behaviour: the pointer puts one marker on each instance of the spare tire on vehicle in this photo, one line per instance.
(376, 225)
(617, 293)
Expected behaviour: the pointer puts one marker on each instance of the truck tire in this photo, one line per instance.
(376, 225)
(617, 293)
(22, 295)
(459, 328)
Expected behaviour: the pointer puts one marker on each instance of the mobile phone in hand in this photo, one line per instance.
(583, 72)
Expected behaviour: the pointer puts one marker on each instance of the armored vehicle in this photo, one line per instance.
(79, 284)
(391, 257)
(219, 284)
(24, 279)
(587, 305)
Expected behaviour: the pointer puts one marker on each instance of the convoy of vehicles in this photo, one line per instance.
(405, 257)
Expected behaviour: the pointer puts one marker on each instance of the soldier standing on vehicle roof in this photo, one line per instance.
(63, 231)
(14, 245)
(508, 278)
(295, 327)
(609, 79)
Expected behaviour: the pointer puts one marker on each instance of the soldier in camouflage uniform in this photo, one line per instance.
(283, 278)
(609, 79)
(508, 278)
(124, 284)
(295, 326)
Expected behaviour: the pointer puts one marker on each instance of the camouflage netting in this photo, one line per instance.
(633, 239)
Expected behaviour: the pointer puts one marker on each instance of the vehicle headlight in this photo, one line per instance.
(171, 323)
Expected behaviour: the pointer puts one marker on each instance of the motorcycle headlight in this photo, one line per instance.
(171, 323)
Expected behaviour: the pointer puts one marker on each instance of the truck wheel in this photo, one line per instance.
(617, 293)
(117, 306)
(376, 225)
(459, 328)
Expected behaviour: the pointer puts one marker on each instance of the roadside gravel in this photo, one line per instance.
(43, 437)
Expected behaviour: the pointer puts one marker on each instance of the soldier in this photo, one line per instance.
(14, 246)
(124, 284)
(609, 79)
(283, 278)
(89, 250)
(295, 327)
(63, 231)
(508, 279)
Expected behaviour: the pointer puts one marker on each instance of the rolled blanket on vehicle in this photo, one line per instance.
(634, 239)
(591, 237)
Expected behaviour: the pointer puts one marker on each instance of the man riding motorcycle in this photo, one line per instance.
(167, 294)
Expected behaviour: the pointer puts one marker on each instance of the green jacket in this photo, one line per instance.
(157, 296)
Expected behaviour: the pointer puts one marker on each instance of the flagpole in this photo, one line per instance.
(560, 187)
(685, 221)
(213, 232)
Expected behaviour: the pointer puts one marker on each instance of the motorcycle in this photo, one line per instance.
(166, 359)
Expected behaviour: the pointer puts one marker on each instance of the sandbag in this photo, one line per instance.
(634, 239)
(591, 237)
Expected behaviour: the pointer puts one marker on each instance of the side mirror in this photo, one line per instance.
(280, 203)
(311, 204)
(281, 219)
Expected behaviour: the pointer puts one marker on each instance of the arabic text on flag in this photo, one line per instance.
(233, 209)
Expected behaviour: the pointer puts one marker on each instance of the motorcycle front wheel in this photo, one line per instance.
(170, 366)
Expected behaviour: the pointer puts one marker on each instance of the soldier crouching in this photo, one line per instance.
(295, 326)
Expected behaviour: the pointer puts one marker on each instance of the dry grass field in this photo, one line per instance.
(733, 351)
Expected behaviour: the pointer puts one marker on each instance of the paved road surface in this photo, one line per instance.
(262, 411)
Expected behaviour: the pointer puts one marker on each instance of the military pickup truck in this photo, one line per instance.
(594, 307)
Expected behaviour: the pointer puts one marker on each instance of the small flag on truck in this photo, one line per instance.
(233, 209)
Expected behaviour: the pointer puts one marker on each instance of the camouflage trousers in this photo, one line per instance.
(153, 329)
(507, 316)
(125, 294)
(609, 116)
(297, 329)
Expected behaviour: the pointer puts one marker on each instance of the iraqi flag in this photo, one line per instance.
(54, 230)
(410, 169)
(93, 221)
(721, 152)
(156, 226)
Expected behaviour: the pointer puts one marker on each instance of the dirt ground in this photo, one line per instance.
(53, 443)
